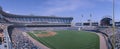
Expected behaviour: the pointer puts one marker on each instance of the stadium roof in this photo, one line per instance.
(14, 15)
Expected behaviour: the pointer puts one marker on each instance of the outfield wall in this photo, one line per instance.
(51, 28)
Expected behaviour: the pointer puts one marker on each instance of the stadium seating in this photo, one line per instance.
(22, 42)
(109, 32)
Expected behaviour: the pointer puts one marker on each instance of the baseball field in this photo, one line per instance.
(66, 39)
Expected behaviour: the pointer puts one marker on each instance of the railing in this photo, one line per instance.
(7, 38)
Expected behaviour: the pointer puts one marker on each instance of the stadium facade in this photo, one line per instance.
(103, 22)
(46, 21)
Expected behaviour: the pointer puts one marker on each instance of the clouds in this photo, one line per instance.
(116, 1)
(104, 0)
(7, 11)
(58, 6)
(61, 6)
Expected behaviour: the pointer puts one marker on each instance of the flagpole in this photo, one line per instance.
(113, 26)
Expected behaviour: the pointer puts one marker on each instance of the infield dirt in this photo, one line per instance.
(49, 33)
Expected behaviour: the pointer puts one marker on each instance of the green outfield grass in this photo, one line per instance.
(70, 40)
(41, 32)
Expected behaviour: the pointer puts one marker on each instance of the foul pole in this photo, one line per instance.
(113, 24)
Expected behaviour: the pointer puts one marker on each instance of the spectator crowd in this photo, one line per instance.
(22, 42)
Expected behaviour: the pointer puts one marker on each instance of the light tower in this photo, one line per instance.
(90, 19)
(81, 20)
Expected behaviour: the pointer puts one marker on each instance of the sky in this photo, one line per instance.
(64, 8)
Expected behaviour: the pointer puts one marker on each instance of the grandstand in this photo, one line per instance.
(39, 20)
(35, 20)
(18, 40)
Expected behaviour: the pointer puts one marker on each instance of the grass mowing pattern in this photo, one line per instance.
(70, 40)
